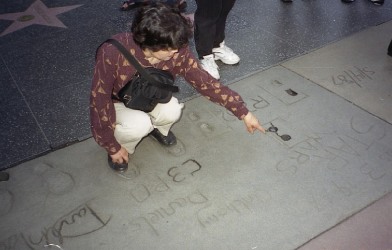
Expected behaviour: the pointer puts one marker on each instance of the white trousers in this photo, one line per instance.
(132, 125)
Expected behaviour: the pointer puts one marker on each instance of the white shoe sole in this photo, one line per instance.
(225, 61)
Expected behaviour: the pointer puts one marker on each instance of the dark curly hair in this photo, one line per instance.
(160, 27)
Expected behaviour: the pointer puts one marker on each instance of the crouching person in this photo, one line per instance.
(159, 38)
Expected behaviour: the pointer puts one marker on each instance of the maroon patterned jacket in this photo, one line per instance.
(112, 72)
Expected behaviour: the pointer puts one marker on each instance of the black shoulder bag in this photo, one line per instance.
(148, 87)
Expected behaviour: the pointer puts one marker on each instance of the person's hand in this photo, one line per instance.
(252, 123)
(121, 156)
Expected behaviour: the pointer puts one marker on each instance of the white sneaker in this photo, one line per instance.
(225, 54)
(209, 65)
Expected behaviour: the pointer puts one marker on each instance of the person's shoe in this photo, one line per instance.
(118, 167)
(377, 2)
(168, 140)
(225, 54)
(209, 65)
(287, 1)
(348, 1)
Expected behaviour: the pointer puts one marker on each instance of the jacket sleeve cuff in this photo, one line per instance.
(113, 149)
(240, 112)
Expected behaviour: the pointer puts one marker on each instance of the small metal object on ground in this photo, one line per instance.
(274, 129)
(285, 137)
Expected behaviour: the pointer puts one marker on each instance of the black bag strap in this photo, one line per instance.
(139, 68)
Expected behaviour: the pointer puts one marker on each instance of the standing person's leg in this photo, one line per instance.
(220, 50)
(206, 16)
(210, 24)
(227, 5)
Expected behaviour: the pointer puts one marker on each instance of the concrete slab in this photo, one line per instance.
(368, 230)
(357, 68)
(219, 187)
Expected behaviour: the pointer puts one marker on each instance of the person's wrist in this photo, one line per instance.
(244, 115)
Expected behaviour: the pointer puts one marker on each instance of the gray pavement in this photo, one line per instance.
(220, 187)
(47, 56)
